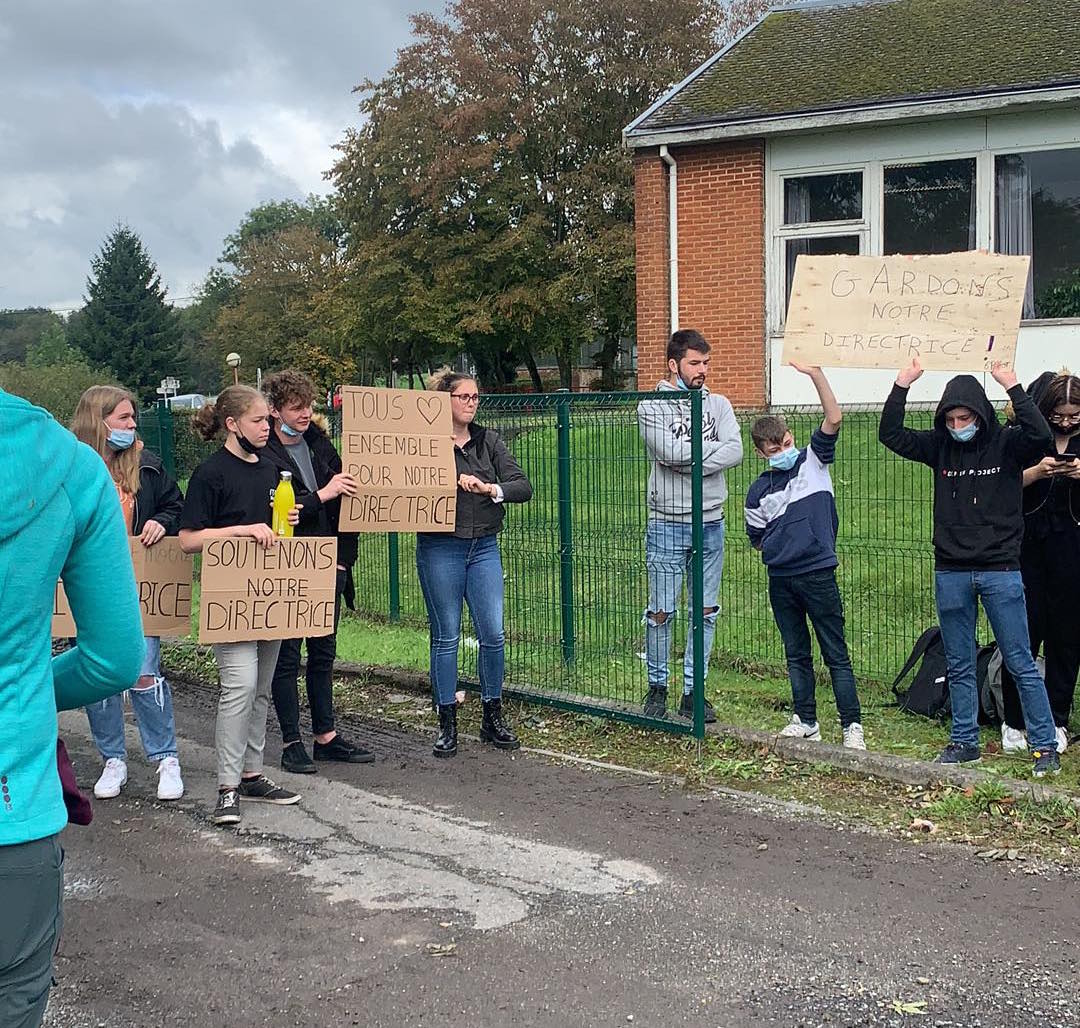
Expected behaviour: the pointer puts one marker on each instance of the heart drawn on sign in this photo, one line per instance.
(429, 407)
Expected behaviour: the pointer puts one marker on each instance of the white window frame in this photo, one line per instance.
(871, 228)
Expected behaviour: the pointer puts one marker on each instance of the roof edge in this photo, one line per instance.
(698, 71)
(853, 115)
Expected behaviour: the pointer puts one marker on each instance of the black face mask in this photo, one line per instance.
(245, 444)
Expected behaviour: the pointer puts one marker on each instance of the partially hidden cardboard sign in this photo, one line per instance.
(398, 445)
(952, 312)
(251, 593)
(163, 582)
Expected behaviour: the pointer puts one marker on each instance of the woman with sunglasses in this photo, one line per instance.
(1050, 559)
(466, 567)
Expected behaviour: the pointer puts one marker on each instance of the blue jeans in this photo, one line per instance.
(453, 571)
(1002, 594)
(814, 595)
(668, 553)
(153, 714)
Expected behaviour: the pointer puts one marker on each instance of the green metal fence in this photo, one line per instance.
(574, 557)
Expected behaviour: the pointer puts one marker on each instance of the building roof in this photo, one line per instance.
(819, 57)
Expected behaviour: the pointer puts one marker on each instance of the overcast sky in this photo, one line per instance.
(173, 118)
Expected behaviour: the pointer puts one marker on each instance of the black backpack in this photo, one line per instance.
(928, 693)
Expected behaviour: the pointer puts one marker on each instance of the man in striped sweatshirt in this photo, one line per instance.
(791, 519)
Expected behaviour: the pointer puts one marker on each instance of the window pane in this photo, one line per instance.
(1037, 203)
(930, 208)
(823, 198)
(818, 247)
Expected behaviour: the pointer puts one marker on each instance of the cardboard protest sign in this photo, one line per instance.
(954, 312)
(398, 445)
(250, 592)
(163, 581)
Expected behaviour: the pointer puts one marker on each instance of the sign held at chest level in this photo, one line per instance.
(163, 584)
(251, 592)
(952, 312)
(398, 445)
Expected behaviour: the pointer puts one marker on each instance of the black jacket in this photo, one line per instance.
(1051, 505)
(978, 485)
(159, 496)
(316, 517)
(486, 456)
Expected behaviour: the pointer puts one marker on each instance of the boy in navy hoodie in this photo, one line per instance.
(978, 528)
(791, 519)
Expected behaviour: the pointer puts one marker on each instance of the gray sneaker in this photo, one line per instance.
(262, 790)
(1047, 762)
(227, 811)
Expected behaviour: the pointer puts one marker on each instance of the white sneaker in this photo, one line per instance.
(170, 785)
(112, 779)
(1062, 740)
(797, 730)
(1012, 740)
(853, 737)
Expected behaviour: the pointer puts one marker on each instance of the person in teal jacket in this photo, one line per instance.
(61, 519)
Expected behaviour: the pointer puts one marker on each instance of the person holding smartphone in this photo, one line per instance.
(1050, 560)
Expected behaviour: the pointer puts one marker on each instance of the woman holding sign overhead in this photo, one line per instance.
(465, 567)
(229, 495)
(151, 503)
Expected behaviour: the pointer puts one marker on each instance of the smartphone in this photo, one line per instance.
(1065, 458)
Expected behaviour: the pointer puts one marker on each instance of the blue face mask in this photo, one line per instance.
(121, 438)
(785, 460)
(965, 434)
(680, 384)
(289, 430)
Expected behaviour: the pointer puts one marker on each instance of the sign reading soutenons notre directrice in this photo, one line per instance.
(398, 445)
(953, 312)
(250, 592)
(163, 582)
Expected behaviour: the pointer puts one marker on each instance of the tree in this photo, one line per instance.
(52, 348)
(489, 173)
(20, 329)
(200, 364)
(127, 322)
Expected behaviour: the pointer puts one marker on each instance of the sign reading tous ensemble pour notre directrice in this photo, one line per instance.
(951, 312)
(398, 445)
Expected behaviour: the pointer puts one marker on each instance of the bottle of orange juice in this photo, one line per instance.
(284, 501)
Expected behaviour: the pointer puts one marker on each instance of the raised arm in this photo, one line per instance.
(908, 443)
(1030, 437)
(833, 415)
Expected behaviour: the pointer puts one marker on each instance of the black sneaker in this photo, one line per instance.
(340, 748)
(656, 702)
(227, 811)
(1047, 762)
(295, 759)
(265, 791)
(959, 753)
(686, 708)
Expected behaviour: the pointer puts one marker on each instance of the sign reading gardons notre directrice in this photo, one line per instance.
(951, 312)
(398, 444)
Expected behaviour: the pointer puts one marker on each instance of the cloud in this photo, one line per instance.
(174, 119)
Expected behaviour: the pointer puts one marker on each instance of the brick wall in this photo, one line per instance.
(721, 263)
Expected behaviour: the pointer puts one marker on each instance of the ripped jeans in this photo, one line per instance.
(668, 553)
(153, 714)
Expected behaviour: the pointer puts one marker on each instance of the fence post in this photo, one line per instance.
(166, 437)
(394, 566)
(697, 564)
(566, 530)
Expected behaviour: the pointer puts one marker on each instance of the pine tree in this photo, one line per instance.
(128, 325)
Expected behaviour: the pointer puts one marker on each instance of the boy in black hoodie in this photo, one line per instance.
(978, 527)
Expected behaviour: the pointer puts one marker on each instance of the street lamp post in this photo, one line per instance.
(233, 360)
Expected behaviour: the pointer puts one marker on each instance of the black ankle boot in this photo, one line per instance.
(446, 744)
(495, 729)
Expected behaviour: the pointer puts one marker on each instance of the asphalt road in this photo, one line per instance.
(499, 890)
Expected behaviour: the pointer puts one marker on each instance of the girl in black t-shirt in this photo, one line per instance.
(230, 494)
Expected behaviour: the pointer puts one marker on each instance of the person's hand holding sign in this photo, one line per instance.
(1004, 375)
(910, 375)
(472, 484)
(340, 484)
(262, 534)
(152, 533)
